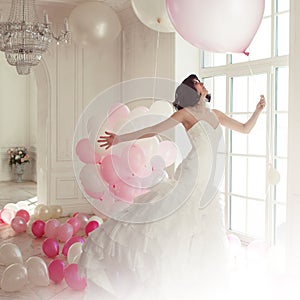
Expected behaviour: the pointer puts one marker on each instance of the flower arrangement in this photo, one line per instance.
(18, 155)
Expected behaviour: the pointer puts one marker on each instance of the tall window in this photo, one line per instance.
(255, 199)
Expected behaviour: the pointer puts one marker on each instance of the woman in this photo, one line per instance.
(176, 248)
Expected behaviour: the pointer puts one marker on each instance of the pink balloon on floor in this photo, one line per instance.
(75, 222)
(70, 242)
(18, 224)
(38, 228)
(86, 153)
(7, 215)
(73, 279)
(83, 218)
(56, 270)
(64, 232)
(51, 228)
(91, 226)
(50, 247)
(212, 24)
(24, 214)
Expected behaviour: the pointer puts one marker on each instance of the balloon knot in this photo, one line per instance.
(246, 53)
(158, 20)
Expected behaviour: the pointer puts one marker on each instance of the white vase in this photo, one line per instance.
(19, 172)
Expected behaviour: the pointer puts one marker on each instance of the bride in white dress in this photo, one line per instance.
(180, 251)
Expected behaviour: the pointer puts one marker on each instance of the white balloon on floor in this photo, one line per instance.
(14, 278)
(94, 23)
(9, 254)
(153, 14)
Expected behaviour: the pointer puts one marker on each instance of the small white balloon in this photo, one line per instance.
(74, 251)
(10, 254)
(273, 176)
(97, 219)
(11, 206)
(160, 107)
(14, 278)
(94, 23)
(37, 271)
(153, 14)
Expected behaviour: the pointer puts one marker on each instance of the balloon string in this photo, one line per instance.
(156, 63)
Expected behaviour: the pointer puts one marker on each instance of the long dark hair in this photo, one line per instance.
(186, 94)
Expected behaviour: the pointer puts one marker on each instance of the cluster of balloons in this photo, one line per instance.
(207, 24)
(15, 214)
(46, 212)
(129, 169)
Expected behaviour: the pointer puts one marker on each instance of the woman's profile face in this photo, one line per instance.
(199, 86)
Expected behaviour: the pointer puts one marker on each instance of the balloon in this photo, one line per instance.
(96, 218)
(91, 181)
(134, 157)
(117, 112)
(56, 270)
(75, 222)
(7, 215)
(51, 228)
(86, 153)
(83, 218)
(24, 214)
(11, 206)
(108, 168)
(45, 213)
(125, 190)
(149, 146)
(37, 210)
(273, 176)
(153, 14)
(38, 228)
(161, 107)
(50, 247)
(73, 279)
(14, 278)
(64, 232)
(101, 26)
(37, 271)
(18, 224)
(70, 242)
(212, 24)
(168, 151)
(56, 211)
(91, 226)
(10, 254)
(74, 252)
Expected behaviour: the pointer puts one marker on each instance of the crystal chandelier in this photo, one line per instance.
(24, 39)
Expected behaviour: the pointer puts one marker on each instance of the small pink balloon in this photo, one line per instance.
(73, 279)
(51, 228)
(124, 191)
(91, 226)
(38, 228)
(83, 218)
(168, 151)
(75, 222)
(117, 112)
(50, 247)
(86, 153)
(70, 242)
(108, 168)
(24, 214)
(7, 215)
(134, 157)
(64, 232)
(56, 270)
(18, 224)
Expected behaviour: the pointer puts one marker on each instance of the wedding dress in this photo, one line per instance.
(175, 247)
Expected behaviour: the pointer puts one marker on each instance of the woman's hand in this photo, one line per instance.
(108, 140)
(261, 104)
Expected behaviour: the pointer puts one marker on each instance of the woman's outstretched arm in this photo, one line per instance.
(238, 126)
(112, 139)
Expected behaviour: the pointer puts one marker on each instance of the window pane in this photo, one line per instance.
(282, 87)
(239, 175)
(268, 8)
(257, 86)
(283, 5)
(211, 59)
(257, 137)
(283, 34)
(219, 93)
(281, 134)
(239, 94)
(256, 219)
(238, 214)
(280, 188)
(280, 224)
(238, 142)
(257, 177)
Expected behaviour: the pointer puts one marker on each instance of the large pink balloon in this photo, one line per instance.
(109, 168)
(18, 224)
(73, 279)
(56, 270)
(86, 153)
(214, 25)
(117, 112)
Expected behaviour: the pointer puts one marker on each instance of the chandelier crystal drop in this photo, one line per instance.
(24, 39)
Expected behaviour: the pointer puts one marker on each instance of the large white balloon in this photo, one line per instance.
(37, 271)
(9, 254)
(214, 25)
(94, 23)
(14, 278)
(153, 14)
